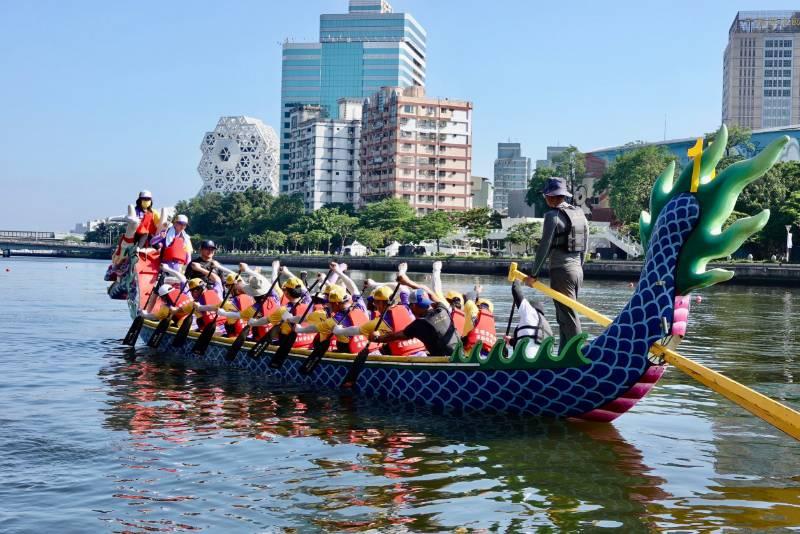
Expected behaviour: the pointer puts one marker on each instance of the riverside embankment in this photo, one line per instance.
(773, 274)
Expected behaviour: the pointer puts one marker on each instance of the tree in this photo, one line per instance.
(433, 225)
(570, 165)
(630, 178)
(527, 234)
(535, 185)
(370, 237)
(316, 237)
(386, 214)
(108, 233)
(295, 238)
(277, 239)
(739, 146)
(477, 222)
(342, 225)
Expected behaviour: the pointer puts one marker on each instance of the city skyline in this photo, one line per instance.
(124, 96)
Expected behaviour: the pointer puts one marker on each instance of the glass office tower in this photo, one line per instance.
(512, 171)
(358, 53)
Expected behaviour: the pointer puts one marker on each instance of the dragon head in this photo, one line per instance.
(717, 198)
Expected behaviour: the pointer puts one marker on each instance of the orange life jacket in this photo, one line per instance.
(484, 332)
(176, 251)
(147, 225)
(400, 317)
(354, 345)
(241, 303)
(303, 341)
(207, 298)
(177, 299)
(267, 306)
(458, 320)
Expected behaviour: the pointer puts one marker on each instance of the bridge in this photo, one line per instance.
(45, 244)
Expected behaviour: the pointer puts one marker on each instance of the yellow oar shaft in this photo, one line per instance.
(773, 412)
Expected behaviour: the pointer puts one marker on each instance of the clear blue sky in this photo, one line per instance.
(101, 99)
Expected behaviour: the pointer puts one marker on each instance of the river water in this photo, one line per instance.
(97, 437)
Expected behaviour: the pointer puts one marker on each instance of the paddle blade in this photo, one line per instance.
(237, 344)
(202, 343)
(320, 347)
(158, 335)
(133, 332)
(283, 350)
(355, 369)
(183, 333)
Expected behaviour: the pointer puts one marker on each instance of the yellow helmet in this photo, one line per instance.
(194, 283)
(487, 303)
(337, 294)
(327, 288)
(293, 283)
(381, 293)
(232, 278)
(452, 295)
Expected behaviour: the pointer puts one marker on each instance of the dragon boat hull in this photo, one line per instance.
(437, 382)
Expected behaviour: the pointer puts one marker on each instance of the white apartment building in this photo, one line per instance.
(323, 154)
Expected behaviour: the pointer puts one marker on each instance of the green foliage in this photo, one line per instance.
(108, 234)
(369, 237)
(433, 225)
(738, 147)
(571, 165)
(527, 234)
(386, 214)
(535, 185)
(630, 178)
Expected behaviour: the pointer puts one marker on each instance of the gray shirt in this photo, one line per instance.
(555, 222)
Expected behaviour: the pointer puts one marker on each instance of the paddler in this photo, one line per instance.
(251, 297)
(343, 311)
(297, 300)
(148, 219)
(432, 326)
(532, 322)
(208, 302)
(565, 239)
(395, 318)
(172, 303)
(206, 267)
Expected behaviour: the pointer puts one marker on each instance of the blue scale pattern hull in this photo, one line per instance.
(618, 356)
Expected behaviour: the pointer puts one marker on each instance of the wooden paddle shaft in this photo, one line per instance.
(773, 412)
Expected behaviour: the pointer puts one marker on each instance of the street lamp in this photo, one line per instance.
(788, 241)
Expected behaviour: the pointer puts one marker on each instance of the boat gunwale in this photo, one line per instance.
(438, 362)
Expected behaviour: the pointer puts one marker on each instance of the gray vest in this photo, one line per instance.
(573, 239)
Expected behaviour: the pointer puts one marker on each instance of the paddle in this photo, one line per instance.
(202, 343)
(361, 359)
(183, 332)
(320, 348)
(136, 327)
(238, 343)
(778, 415)
(286, 343)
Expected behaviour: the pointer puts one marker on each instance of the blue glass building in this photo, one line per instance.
(512, 171)
(358, 53)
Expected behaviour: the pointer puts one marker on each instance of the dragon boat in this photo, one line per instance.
(685, 228)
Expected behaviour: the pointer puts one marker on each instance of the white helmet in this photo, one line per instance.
(183, 219)
(145, 194)
(164, 290)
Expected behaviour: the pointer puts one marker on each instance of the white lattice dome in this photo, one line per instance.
(240, 153)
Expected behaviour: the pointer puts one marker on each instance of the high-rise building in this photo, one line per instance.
(760, 86)
(482, 192)
(323, 154)
(417, 148)
(241, 152)
(358, 53)
(511, 174)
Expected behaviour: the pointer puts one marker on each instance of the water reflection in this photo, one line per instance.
(320, 460)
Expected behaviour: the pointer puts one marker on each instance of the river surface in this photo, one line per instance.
(96, 437)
